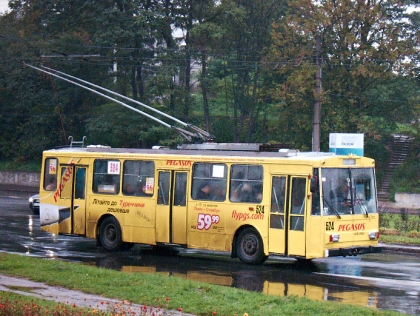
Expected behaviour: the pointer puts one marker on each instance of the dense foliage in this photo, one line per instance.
(242, 70)
(407, 176)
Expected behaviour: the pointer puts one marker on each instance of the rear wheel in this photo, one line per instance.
(249, 247)
(110, 234)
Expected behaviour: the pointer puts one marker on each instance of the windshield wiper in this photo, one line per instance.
(362, 205)
(331, 207)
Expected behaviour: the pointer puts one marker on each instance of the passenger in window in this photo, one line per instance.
(129, 189)
(141, 189)
(235, 190)
(235, 195)
(257, 193)
(52, 185)
(246, 193)
(219, 193)
(204, 193)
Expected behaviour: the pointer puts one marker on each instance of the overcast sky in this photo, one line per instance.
(3, 5)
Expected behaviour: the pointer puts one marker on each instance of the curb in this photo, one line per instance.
(396, 248)
(18, 188)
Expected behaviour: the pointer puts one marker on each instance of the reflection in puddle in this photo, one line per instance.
(318, 293)
(274, 278)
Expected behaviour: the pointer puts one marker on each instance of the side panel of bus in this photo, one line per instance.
(124, 190)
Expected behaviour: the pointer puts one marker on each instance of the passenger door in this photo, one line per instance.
(277, 235)
(171, 208)
(72, 203)
(79, 201)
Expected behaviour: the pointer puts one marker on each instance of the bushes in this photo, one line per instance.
(406, 177)
(402, 222)
(399, 227)
(413, 234)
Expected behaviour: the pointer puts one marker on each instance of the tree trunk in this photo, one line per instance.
(204, 91)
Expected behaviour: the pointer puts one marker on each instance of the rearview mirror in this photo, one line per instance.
(314, 185)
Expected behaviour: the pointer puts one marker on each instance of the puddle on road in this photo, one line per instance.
(280, 278)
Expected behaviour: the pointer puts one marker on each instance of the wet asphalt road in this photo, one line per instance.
(389, 281)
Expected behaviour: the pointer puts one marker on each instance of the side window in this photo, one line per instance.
(209, 182)
(246, 183)
(316, 199)
(298, 200)
(50, 174)
(180, 195)
(80, 183)
(106, 176)
(163, 187)
(363, 191)
(66, 186)
(138, 178)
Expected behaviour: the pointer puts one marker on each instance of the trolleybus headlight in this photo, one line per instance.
(374, 235)
(334, 238)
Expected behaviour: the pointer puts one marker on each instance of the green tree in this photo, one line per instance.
(245, 28)
(116, 44)
(365, 46)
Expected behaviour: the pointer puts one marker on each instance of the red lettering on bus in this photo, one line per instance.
(64, 180)
(131, 204)
(182, 163)
(239, 216)
(349, 227)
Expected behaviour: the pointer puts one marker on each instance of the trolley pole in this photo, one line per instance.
(316, 129)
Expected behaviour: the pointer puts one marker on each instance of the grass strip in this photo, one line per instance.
(175, 293)
(399, 240)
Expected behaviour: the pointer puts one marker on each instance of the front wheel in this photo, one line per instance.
(249, 247)
(110, 234)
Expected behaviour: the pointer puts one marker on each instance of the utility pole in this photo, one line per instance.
(316, 129)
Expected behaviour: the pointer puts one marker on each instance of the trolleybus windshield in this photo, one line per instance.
(349, 191)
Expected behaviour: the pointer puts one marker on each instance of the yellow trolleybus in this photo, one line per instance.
(222, 197)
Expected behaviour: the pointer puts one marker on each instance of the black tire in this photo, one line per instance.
(110, 234)
(249, 247)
